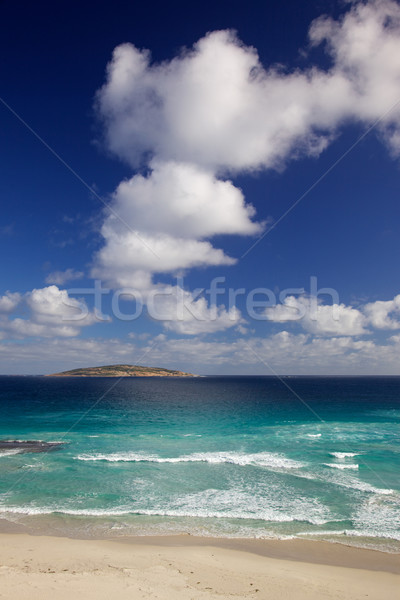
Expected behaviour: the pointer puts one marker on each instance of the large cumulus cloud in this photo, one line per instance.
(214, 111)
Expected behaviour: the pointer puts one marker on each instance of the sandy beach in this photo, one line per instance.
(185, 567)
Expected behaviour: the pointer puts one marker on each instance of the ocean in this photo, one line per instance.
(250, 457)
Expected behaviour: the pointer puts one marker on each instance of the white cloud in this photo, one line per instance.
(282, 353)
(378, 313)
(216, 105)
(163, 220)
(184, 200)
(211, 112)
(24, 328)
(59, 354)
(181, 311)
(318, 318)
(50, 305)
(215, 110)
(9, 302)
(365, 47)
(53, 313)
(336, 319)
(129, 259)
(61, 277)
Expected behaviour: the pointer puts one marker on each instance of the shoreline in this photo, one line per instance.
(183, 567)
(319, 552)
(62, 526)
(308, 551)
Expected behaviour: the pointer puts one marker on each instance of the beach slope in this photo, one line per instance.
(39, 567)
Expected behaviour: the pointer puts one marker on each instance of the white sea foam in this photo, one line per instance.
(188, 512)
(38, 465)
(349, 482)
(377, 532)
(264, 504)
(260, 459)
(48, 510)
(373, 521)
(346, 481)
(362, 538)
(366, 487)
(379, 516)
(263, 515)
(314, 435)
(341, 466)
(10, 452)
(344, 455)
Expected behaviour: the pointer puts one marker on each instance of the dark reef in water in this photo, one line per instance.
(29, 445)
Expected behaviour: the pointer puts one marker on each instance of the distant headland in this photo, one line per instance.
(121, 371)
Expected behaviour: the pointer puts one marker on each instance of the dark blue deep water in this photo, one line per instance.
(223, 456)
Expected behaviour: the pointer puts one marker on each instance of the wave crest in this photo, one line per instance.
(260, 459)
(341, 466)
(344, 455)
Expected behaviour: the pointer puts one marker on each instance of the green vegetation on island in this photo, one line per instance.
(122, 371)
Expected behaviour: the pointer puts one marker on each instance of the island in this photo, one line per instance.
(121, 371)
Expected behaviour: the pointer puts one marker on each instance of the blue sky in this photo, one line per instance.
(183, 135)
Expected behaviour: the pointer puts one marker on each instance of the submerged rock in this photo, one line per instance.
(28, 446)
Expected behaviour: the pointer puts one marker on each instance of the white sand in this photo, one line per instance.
(39, 567)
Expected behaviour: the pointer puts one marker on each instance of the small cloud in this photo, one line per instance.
(242, 329)
(138, 336)
(71, 219)
(321, 319)
(381, 312)
(9, 302)
(61, 277)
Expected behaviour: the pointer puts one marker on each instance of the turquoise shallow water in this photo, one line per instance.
(244, 457)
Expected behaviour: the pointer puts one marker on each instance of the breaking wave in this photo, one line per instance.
(260, 459)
